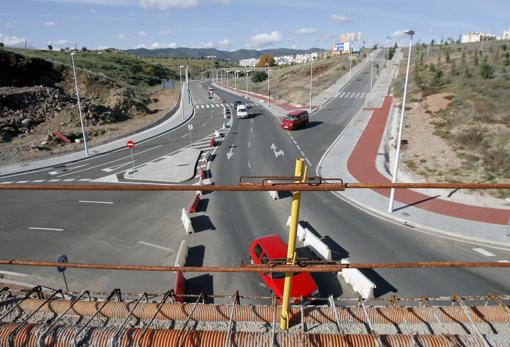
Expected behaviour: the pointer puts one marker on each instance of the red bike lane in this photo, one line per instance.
(361, 165)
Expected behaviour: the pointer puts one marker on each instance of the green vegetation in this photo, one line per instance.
(259, 76)
(476, 123)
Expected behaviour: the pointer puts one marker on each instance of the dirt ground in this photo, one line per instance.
(30, 146)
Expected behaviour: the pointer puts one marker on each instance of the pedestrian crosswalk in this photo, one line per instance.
(215, 105)
(353, 95)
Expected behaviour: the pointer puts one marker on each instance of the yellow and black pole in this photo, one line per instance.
(300, 172)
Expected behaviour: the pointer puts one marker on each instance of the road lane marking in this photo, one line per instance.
(84, 179)
(55, 180)
(8, 182)
(204, 124)
(4, 272)
(249, 144)
(112, 161)
(69, 180)
(96, 202)
(18, 182)
(308, 161)
(41, 228)
(155, 246)
(484, 252)
(54, 172)
(503, 261)
(38, 181)
(249, 165)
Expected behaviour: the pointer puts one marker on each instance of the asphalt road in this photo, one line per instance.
(144, 227)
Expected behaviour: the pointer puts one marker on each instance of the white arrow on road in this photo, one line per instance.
(277, 153)
(230, 153)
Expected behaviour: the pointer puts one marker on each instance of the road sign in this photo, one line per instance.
(62, 259)
(130, 144)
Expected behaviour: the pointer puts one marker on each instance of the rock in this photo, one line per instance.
(26, 122)
(5, 137)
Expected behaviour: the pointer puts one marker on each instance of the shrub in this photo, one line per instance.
(486, 70)
(259, 76)
(437, 80)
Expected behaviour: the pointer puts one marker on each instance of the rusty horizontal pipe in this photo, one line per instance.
(302, 267)
(64, 335)
(247, 187)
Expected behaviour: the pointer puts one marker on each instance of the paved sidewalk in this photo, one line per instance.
(354, 157)
(172, 122)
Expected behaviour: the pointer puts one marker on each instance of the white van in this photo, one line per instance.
(242, 111)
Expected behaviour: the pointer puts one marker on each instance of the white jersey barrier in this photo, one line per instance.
(318, 247)
(359, 282)
(273, 193)
(186, 221)
(182, 254)
(301, 231)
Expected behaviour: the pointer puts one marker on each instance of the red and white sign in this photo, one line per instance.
(130, 144)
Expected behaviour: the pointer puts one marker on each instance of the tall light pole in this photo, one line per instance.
(311, 77)
(246, 79)
(235, 80)
(399, 138)
(227, 72)
(371, 75)
(268, 95)
(180, 81)
(79, 106)
(350, 60)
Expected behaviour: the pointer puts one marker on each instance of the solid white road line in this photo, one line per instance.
(155, 246)
(484, 252)
(3, 272)
(308, 161)
(96, 202)
(50, 229)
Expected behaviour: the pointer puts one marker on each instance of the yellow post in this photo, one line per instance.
(300, 172)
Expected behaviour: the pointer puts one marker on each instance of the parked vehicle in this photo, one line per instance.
(262, 250)
(242, 111)
(295, 120)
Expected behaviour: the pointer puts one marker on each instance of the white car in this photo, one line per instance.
(242, 111)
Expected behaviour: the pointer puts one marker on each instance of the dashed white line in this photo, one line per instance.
(53, 172)
(155, 246)
(203, 125)
(18, 182)
(249, 165)
(84, 179)
(251, 130)
(41, 228)
(3, 272)
(69, 180)
(55, 180)
(8, 182)
(503, 261)
(308, 161)
(96, 202)
(484, 252)
(38, 181)
(249, 144)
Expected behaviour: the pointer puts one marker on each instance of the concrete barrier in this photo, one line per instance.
(273, 193)
(318, 247)
(186, 222)
(182, 254)
(301, 231)
(179, 286)
(194, 205)
(358, 281)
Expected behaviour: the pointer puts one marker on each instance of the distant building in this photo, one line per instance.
(248, 62)
(506, 35)
(476, 36)
(284, 59)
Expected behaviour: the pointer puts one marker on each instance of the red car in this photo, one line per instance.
(295, 119)
(273, 247)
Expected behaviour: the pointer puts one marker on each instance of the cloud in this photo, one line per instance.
(93, 11)
(225, 43)
(142, 33)
(49, 24)
(156, 45)
(12, 41)
(306, 31)
(399, 34)
(328, 37)
(101, 48)
(140, 46)
(165, 32)
(121, 36)
(265, 39)
(341, 18)
(8, 25)
(59, 43)
(207, 44)
(168, 4)
(223, 2)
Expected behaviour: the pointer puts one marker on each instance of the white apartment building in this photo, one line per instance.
(506, 35)
(476, 36)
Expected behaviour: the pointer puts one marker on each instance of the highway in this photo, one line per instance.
(144, 228)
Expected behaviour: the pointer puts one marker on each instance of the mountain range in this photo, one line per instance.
(197, 53)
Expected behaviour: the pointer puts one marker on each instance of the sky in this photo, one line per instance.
(237, 24)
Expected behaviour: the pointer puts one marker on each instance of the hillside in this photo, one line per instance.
(458, 118)
(37, 97)
(197, 53)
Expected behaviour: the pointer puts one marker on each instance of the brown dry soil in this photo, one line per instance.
(30, 146)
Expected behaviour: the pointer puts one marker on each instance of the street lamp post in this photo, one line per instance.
(227, 72)
(311, 77)
(180, 81)
(79, 107)
(235, 81)
(268, 95)
(371, 76)
(246, 80)
(399, 138)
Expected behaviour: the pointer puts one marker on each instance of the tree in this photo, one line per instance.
(486, 70)
(216, 64)
(432, 42)
(437, 80)
(50, 47)
(84, 49)
(1, 44)
(258, 76)
(264, 60)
